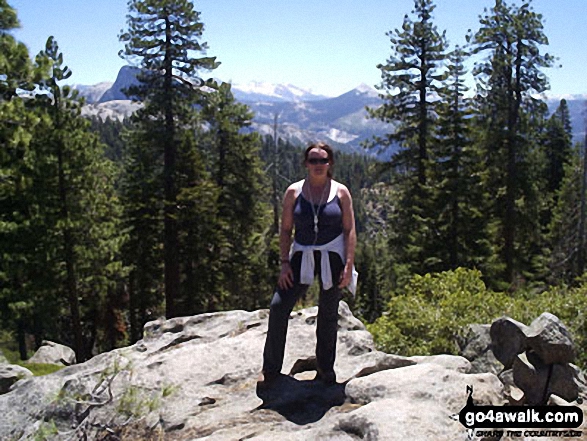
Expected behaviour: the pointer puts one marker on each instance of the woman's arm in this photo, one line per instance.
(350, 234)
(285, 280)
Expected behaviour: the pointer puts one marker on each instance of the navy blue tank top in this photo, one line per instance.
(329, 221)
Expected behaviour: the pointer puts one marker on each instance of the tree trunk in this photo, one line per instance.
(510, 221)
(582, 214)
(171, 251)
(71, 282)
(423, 125)
(133, 307)
(21, 339)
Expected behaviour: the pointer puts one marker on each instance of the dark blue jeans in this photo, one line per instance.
(327, 323)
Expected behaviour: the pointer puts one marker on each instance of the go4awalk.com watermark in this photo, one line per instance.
(521, 421)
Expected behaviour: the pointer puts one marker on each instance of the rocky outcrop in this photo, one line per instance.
(537, 359)
(508, 339)
(475, 345)
(114, 110)
(196, 378)
(127, 77)
(10, 374)
(53, 353)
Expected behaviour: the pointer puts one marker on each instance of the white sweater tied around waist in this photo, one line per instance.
(308, 265)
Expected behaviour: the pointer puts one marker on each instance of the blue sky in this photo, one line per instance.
(328, 46)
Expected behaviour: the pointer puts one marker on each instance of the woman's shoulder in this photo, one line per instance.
(341, 189)
(294, 189)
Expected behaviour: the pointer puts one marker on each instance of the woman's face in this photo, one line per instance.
(317, 162)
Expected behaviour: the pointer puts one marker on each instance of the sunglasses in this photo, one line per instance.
(316, 161)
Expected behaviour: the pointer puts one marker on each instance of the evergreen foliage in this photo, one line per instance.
(105, 225)
(509, 116)
(558, 146)
(462, 237)
(59, 226)
(565, 222)
(77, 190)
(110, 134)
(237, 232)
(141, 198)
(430, 312)
(411, 81)
(15, 64)
(162, 38)
(472, 185)
(15, 181)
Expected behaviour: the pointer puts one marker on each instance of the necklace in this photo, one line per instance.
(316, 211)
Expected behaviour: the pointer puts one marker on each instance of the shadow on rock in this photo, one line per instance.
(301, 402)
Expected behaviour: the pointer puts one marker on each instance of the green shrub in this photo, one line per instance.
(426, 317)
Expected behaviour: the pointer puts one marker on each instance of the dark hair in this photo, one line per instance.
(327, 149)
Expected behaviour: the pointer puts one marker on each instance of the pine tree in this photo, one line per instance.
(582, 244)
(372, 265)
(242, 214)
(17, 232)
(15, 64)
(76, 195)
(558, 145)
(507, 80)
(461, 224)
(142, 198)
(23, 280)
(564, 234)
(162, 38)
(411, 79)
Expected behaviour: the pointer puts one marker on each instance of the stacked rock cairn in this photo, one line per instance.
(537, 360)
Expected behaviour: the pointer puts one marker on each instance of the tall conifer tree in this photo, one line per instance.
(564, 228)
(411, 79)
(510, 75)
(461, 222)
(243, 216)
(16, 162)
(558, 145)
(75, 190)
(162, 38)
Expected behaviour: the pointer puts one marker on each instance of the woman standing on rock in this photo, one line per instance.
(321, 210)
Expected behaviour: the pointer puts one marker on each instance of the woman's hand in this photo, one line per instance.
(285, 276)
(346, 276)
(350, 235)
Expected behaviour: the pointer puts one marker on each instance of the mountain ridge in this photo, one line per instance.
(302, 115)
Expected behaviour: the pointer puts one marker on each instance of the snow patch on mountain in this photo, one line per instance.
(340, 136)
(262, 91)
(365, 89)
(567, 96)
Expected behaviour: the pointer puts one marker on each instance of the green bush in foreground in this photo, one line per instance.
(427, 316)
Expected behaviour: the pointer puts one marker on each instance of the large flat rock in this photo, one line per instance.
(196, 378)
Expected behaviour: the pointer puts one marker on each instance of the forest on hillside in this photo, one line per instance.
(105, 225)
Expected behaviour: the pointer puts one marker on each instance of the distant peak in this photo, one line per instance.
(255, 90)
(365, 88)
(572, 97)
